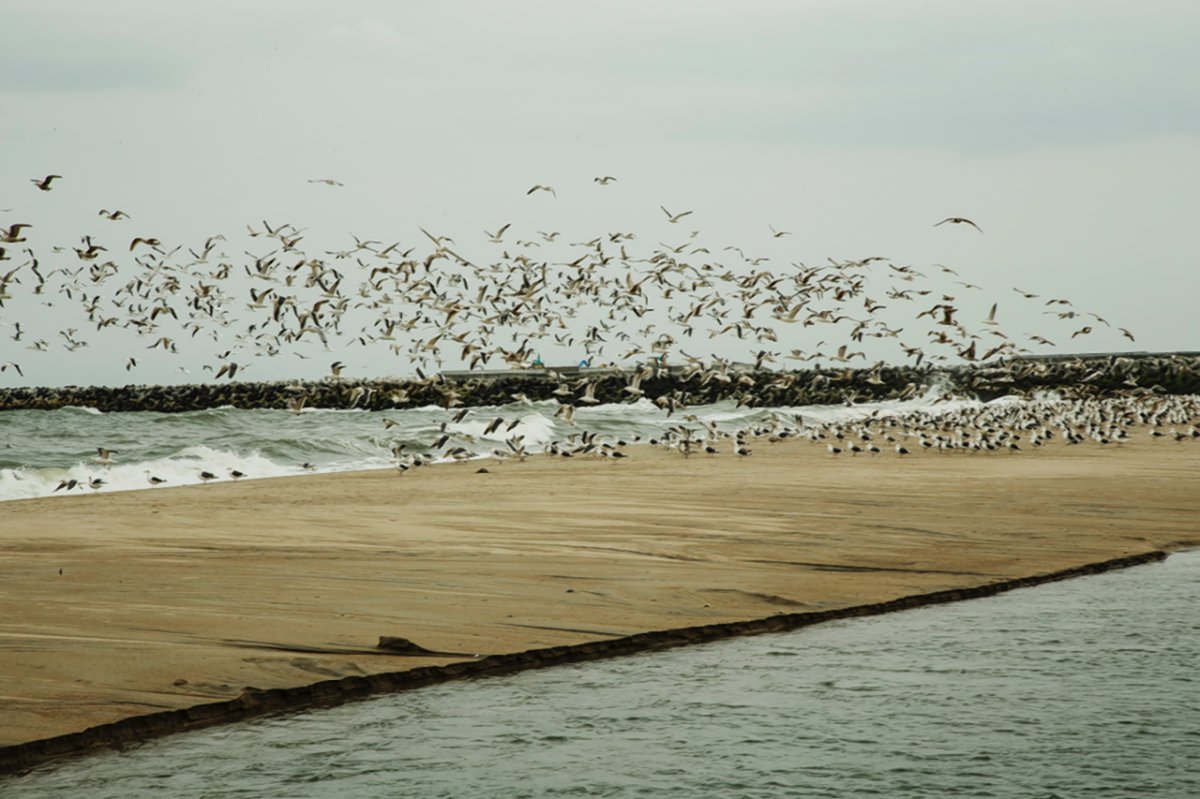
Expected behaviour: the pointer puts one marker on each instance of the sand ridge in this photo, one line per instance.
(169, 598)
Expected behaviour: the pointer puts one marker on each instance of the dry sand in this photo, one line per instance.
(170, 598)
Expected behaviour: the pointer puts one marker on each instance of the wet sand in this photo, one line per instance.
(171, 598)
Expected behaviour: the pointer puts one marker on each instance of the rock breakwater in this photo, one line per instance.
(1077, 377)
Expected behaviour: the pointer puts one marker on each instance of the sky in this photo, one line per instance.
(1069, 132)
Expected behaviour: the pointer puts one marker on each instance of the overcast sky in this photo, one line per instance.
(1070, 132)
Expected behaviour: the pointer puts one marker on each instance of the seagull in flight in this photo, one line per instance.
(12, 234)
(673, 218)
(495, 237)
(540, 187)
(959, 220)
(604, 181)
(44, 183)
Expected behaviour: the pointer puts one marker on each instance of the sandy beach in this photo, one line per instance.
(115, 605)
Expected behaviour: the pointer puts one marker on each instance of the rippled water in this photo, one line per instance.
(1084, 688)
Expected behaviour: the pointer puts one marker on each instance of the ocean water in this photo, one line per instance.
(40, 449)
(1083, 688)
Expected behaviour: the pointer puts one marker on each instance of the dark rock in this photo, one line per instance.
(401, 646)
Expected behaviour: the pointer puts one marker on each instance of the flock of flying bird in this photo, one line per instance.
(606, 298)
(597, 298)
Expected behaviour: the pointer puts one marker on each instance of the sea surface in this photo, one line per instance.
(41, 449)
(1082, 688)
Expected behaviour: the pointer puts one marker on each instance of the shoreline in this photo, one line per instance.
(253, 704)
(195, 605)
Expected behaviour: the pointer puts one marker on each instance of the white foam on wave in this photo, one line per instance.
(535, 427)
(621, 408)
(933, 402)
(182, 468)
(735, 415)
